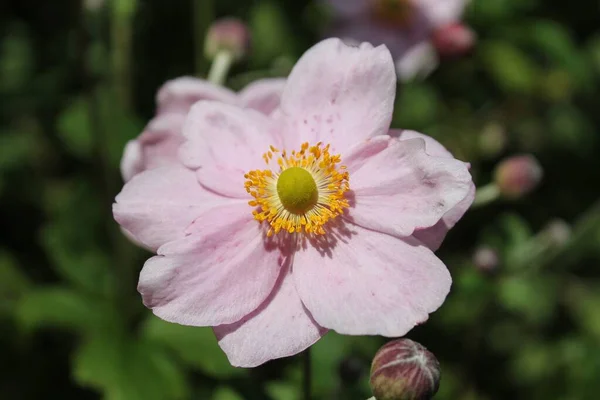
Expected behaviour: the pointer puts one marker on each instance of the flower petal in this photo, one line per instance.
(432, 237)
(132, 162)
(432, 146)
(157, 205)
(441, 12)
(178, 95)
(224, 142)
(280, 327)
(339, 94)
(223, 270)
(263, 95)
(398, 187)
(357, 281)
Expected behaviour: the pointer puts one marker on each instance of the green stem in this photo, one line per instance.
(220, 67)
(203, 16)
(486, 195)
(121, 38)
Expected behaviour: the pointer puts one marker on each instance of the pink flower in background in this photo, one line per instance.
(417, 32)
(274, 229)
(158, 144)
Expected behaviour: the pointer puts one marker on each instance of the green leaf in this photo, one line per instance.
(12, 280)
(511, 68)
(533, 297)
(416, 106)
(283, 391)
(15, 148)
(225, 393)
(584, 303)
(16, 59)
(127, 369)
(271, 36)
(554, 40)
(195, 346)
(76, 253)
(63, 308)
(75, 128)
(13, 283)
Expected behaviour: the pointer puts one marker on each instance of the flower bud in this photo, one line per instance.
(486, 259)
(453, 40)
(518, 175)
(404, 370)
(228, 34)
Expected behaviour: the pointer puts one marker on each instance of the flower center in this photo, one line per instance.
(393, 12)
(297, 190)
(303, 194)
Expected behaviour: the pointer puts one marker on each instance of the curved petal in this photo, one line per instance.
(339, 94)
(132, 162)
(223, 270)
(263, 95)
(156, 146)
(432, 146)
(178, 95)
(434, 236)
(357, 281)
(157, 205)
(398, 187)
(280, 327)
(441, 12)
(225, 142)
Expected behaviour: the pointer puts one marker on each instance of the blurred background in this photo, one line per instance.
(78, 80)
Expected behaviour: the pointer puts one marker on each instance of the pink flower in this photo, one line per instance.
(275, 229)
(408, 27)
(158, 144)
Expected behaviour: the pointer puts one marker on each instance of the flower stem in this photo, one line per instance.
(307, 376)
(122, 41)
(203, 15)
(486, 195)
(220, 67)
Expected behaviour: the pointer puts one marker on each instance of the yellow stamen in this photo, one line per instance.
(305, 193)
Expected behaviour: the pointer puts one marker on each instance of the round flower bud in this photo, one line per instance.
(228, 34)
(404, 370)
(486, 259)
(518, 175)
(453, 40)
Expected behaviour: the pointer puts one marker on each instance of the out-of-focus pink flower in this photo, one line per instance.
(415, 31)
(275, 229)
(160, 141)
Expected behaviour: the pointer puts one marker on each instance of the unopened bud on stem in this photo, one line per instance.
(404, 370)
(518, 175)
(230, 35)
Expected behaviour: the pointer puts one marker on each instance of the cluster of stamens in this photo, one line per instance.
(304, 194)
